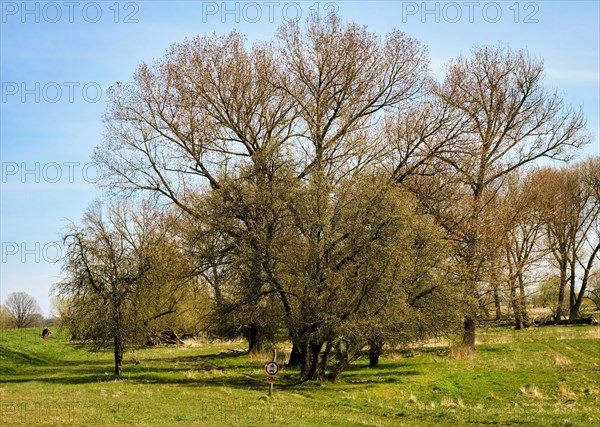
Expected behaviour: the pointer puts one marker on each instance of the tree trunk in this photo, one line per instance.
(306, 359)
(518, 320)
(324, 360)
(118, 351)
(515, 301)
(316, 370)
(497, 302)
(574, 310)
(522, 299)
(561, 292)
(516, 306)
(256, 338)
(117, 337)
(349, 354)
(295, 357)
(375, 347)
(469, 332)
(483, 307)
(572, 282)
(338, 368)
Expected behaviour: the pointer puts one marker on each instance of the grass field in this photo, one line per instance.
(538, 377)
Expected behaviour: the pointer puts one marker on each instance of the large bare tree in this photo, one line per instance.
(509, 119)
(212, 107)
(289, 159)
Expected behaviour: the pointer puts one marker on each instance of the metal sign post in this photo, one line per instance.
(271, 368)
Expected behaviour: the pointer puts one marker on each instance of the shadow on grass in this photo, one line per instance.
(99, 371)
(199, 357)
(80, 372)
(394, 366)
(149, 378)
(237, 381)
(20, 357)
(231, 369)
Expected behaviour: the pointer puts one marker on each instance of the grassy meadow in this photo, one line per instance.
(537, 377)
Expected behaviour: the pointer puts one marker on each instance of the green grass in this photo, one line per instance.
(539, 377)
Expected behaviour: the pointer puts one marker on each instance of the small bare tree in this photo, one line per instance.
(22, 309)
(122, 273)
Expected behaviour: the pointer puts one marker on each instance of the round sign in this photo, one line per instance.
(271, 368)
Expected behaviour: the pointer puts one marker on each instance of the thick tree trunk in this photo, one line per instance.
(350, 353)
(374, 354)
(324, 360)
(256, 338)
(306, 359)
(338, 368)
(469, 332)
(559, 313)
(295, 357)
(574, 310)
(316, 370)
(375, 347)
(516, 306)
(519, 321)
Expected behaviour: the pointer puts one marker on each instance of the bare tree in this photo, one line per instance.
(210, 104)
(521, 232)
(570, 208)
(289, 159)
(212, 108)
(509, 119)
(22, 309)
(209, 107)
(122, 273)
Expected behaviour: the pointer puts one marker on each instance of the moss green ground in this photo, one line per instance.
(539, 377)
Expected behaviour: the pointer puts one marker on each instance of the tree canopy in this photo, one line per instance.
(325, 184)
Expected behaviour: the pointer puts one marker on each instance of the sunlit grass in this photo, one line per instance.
(537, 377)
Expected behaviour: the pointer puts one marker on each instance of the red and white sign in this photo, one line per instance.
(272, 368)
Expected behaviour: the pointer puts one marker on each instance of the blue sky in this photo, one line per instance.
(59, 58)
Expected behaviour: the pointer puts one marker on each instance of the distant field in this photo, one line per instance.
(539, 377)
